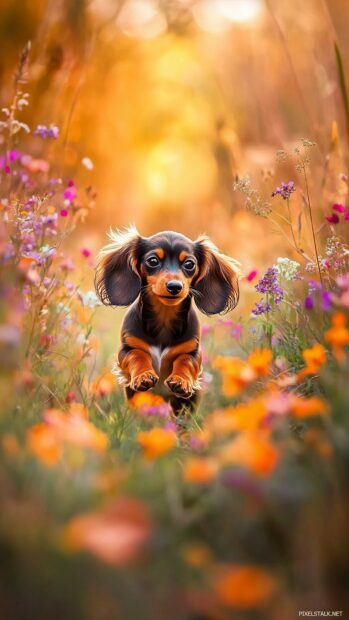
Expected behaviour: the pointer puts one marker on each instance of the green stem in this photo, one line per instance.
(312, 225)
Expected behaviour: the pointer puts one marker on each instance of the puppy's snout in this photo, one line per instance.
(174, 287)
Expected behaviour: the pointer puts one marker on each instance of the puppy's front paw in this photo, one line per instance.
(179, 386)
(143, 382)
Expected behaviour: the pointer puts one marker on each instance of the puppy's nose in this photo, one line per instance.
(174, 287)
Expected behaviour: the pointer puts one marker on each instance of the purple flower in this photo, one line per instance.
(309, 303)
(285, 190)
(326, 301)
(45, 131)
(268, 285)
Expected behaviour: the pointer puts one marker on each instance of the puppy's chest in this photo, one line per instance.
(161, 360)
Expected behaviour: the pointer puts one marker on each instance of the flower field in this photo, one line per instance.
(116, 512)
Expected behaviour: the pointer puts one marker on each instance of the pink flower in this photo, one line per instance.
(339, 208)
(85, 252)
(333, 219)
(64, 212)
(251, 276)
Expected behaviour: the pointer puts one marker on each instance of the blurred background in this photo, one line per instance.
(171, 99)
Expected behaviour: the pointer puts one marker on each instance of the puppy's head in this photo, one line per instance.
(169, 267)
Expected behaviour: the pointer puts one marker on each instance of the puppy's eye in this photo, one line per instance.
(189, 264)
(152, 261)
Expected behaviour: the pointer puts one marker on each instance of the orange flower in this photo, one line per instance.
(314, 358)
(104, 384)
(245, 416)
(157, 442)
(253, 451)
(115, 535)
(75, 429)
(305, 407)
(46, 439)
(338, 335)
(236, 374)
(243, 586)
(260, 360)
(43, 443)
(200, 470)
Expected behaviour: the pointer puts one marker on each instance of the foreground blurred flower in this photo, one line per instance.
(116, 535)
(306, 407)
(47, 439)
(150, 404)
(238, 373)
(200, 470)
(156, 442)
(338, 335)
(243, 586)
(252, 450)
(314, 357)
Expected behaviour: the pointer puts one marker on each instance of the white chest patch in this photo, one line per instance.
(157, 356)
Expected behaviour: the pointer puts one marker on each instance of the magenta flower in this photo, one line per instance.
(64, 212)
(333, 219)
(339, 208)
(251, 276)
(86, 253)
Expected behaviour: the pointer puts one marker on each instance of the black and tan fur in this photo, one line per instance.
(160, 277)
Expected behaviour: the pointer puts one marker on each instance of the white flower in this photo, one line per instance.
(89, 299)
(287, 268)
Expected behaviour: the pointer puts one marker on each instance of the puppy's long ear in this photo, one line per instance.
(117, 280)
(216, 286)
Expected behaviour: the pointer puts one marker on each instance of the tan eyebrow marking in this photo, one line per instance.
(182, 256)
(159, 253)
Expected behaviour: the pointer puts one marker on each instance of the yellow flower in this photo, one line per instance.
(157, 442)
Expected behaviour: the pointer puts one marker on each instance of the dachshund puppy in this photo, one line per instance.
(160, 277)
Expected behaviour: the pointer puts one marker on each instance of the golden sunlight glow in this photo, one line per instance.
(216, 15)
(141, 18)
(177, 171)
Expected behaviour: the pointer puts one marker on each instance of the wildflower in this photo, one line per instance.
(305, 407)
(243, 586)
(150, 404)
(251, 276)
(200, 470)
(338, 335)
(268, 285)
(86, 253)
(236, 373)
(70, 193)
(339, 208)
(285, 190)
(43, 443)
(116, 535)
(326, 301)
(314, 358)
(45, 131)
(252, 450)
(288, 269)
(64, 212)
(333, 219)
(254, 202)
(260, 361)
(156, 442)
